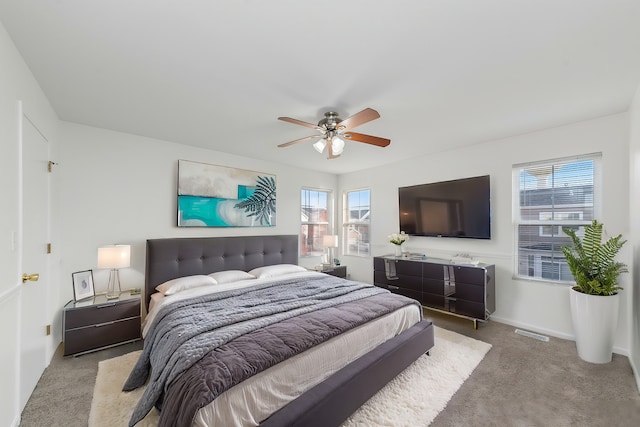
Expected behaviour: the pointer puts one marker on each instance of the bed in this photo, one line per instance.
(317, 386)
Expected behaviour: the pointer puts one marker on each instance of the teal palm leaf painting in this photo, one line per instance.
(222, 196)
(262, 203)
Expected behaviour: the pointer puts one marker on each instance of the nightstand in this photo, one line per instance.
(338, 271)
(97, 323)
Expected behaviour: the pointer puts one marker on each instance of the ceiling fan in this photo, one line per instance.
(333, 131)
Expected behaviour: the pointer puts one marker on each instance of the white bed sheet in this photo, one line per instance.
(253, 400)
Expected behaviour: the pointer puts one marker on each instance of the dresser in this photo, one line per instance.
(462, 289)
(98, 323)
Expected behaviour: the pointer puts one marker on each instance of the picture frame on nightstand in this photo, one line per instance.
(83, 285)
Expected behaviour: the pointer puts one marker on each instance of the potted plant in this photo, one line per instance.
(594, 299)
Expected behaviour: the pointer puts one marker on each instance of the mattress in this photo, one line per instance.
(253, 400)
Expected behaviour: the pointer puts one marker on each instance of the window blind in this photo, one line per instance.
(550, 196)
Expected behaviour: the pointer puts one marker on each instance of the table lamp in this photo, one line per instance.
(330, 241)
(114, 257)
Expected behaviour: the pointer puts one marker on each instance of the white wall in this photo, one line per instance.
(634, 237)
(117, 188)
(17, 84)
(538, 306)
(121, 188)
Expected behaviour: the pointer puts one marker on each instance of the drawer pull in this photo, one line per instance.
(106, 305)
(394, 288)
(103, 324)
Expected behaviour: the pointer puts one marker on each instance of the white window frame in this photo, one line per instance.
(537, 264)
(329, 223)
(346, 224)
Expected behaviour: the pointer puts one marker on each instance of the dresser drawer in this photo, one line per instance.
(409, 268)
(469, 292)
(101, 313)
(101, 335)
(378, 264)
(380, 278)
(433, 286)
(433, 271)
(471, 309)
(402, 291)
(469, 275)
(432, 300)
(401, 281)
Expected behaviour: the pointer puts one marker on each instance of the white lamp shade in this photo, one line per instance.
(114, 256)
(319, 146)
(337, 145)
(330, 241)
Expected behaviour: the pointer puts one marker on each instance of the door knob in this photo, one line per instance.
(31, 277)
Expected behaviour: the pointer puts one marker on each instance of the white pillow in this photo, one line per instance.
(228, 276)
(183, 283)
(276, 270)
(155, 297)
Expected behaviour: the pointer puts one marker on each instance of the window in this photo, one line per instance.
(550, 196)
(551, 230)
(357, 220)
(315, 219)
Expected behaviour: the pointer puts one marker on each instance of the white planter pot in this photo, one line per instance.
(595, 319)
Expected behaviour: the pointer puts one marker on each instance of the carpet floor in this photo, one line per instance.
(414, 398)
(521, 382)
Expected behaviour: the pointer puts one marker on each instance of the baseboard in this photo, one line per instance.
(16, 421)
(534, 328)
(636, 372)
(553, 333)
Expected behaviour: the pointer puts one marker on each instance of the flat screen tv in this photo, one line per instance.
(457, 208)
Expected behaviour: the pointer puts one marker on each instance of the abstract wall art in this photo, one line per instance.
(220, 196)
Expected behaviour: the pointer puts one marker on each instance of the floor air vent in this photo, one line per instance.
(532, 335)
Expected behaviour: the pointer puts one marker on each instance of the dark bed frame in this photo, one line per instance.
(330, 402)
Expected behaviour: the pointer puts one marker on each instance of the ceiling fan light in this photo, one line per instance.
(319, 146)
(337, 145)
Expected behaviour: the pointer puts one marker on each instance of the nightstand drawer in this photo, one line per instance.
(338, 271)
(101, 313)
(101, 335)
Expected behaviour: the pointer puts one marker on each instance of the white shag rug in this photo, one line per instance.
(413, 398)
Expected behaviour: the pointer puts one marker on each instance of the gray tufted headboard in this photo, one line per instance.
(176, 257)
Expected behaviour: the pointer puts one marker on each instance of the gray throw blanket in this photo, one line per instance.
(183, 332)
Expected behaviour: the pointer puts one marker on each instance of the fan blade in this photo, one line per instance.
(358, 119)
(286, 144)
(368, 139)
(300, 122)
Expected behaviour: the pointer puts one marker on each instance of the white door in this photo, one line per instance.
(35, 220)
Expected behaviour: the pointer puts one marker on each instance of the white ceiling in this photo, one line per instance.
(218, 73)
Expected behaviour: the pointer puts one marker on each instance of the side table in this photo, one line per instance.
(338, 271)
(98, 323)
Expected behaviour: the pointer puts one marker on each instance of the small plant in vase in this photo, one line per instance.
(398, 239)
